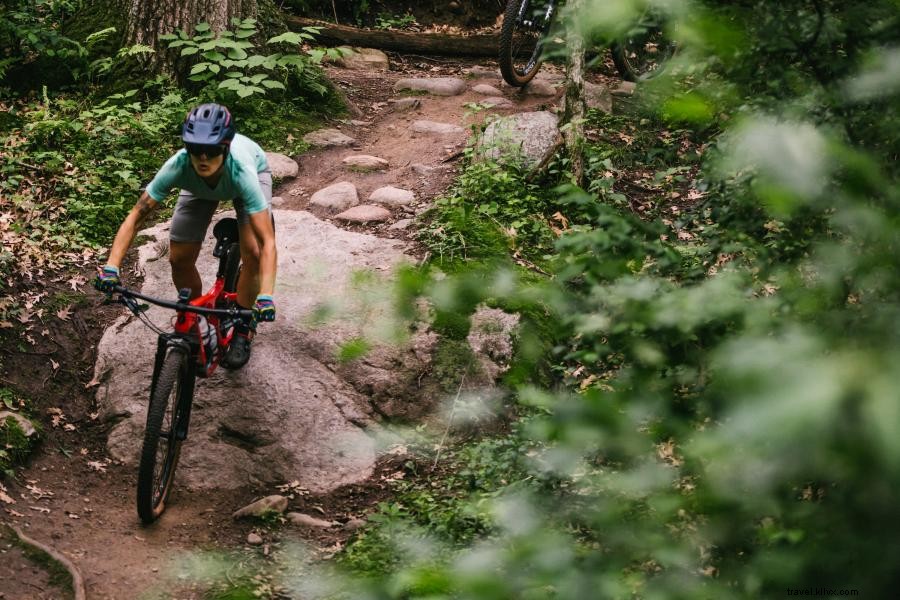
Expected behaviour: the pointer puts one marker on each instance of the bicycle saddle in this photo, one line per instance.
(226, 233)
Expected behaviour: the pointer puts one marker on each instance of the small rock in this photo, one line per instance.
(439, 86)
(436, 128)
(23, 423)
(354, 524)
(254, 539)
(365, 162)
(359, 123)
(401, 224)
(486, 90)
(496, 102)
(269, 503)
(336, 197)
(364, 59)
(307, 521)
(626, 88)
(282, 166)
(328, 138)
(277, 201)
(424, 170)
(528, 138)
(392, 196)
(405, 103)
(539, 87)
(365, 213)
(597, 97)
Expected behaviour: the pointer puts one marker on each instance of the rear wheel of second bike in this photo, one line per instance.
(525, 23)
(642, 53)
(162, 446)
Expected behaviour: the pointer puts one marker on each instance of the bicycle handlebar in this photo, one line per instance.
(180, 306)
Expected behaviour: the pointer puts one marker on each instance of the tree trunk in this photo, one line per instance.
(442, 44)
(146, 20)
(575, 107)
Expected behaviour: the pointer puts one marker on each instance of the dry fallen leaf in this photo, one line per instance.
(4, 497)
(96, 465)
(64, 313)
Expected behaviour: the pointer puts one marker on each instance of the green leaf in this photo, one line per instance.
(244, 92)
(287, 38)
(256, 60)
(199, 68)
(236, 53)
(214, 56)
(178, 43)
(230, 84)
(201, 27)
(316, 54)
(233, 74)
(206, 46)
(258, 77)
(273, 85)
(244, 33)
(189, 51)
(215, 68)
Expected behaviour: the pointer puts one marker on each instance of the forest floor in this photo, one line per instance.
(73, 497)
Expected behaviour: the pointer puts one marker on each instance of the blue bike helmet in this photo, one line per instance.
(208, 124)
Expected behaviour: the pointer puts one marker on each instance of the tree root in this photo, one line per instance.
(77, 580)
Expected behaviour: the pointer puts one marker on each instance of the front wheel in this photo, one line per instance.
(162, 443)
(522, 39)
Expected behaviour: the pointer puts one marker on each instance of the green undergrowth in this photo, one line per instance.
(15, 446)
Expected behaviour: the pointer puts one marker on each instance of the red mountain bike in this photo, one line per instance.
(203, 331)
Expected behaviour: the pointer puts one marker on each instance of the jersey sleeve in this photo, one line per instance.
(165, 179)
(251, 192)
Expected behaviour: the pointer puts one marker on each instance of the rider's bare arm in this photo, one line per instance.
(261, 222)
(129, 228)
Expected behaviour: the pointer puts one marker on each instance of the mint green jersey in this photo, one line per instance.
(239, 177)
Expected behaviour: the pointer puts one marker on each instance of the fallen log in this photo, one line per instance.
(441, 44)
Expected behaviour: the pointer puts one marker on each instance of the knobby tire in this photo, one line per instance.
(511, 74)
(156, 472)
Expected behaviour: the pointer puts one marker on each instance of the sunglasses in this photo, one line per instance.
(210, 150)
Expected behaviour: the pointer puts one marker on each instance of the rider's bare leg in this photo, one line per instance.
(183, 258)
(248, 283)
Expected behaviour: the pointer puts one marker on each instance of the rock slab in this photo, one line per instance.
(336, 197)
(304, 520)
(486, 90)
(282, 166)
(274, 503)
(363, 59)
(439, 86)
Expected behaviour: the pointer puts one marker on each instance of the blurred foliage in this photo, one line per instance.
(726, 415)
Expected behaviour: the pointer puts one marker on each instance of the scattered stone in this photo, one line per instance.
(359, 123)
(439, 86)
(405, 103)
(365, 162)
(277, 201)
(364, 59)
(425, 170)
(479, 71)
(496, 102)
(435, 127)
(274, 503)
(354, 524)
(365, 213)
(24, 424)
(626, 88)
(401, 225)
(307, 521)
(282, 167)
(528, 138)
(486, 90)
(539, 87)
(598, 97)
(254, 539)
(392, 196)
(328, 138)
(336, 197)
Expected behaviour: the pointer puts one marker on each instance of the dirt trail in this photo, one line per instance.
(74, 498)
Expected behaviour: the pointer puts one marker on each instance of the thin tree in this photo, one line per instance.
(575, 107)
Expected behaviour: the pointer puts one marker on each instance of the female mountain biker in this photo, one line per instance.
(216, 164)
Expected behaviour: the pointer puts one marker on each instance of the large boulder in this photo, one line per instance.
(335, 197)
(282, 166)
(527, 138)
(297, 410)
(364, 59)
